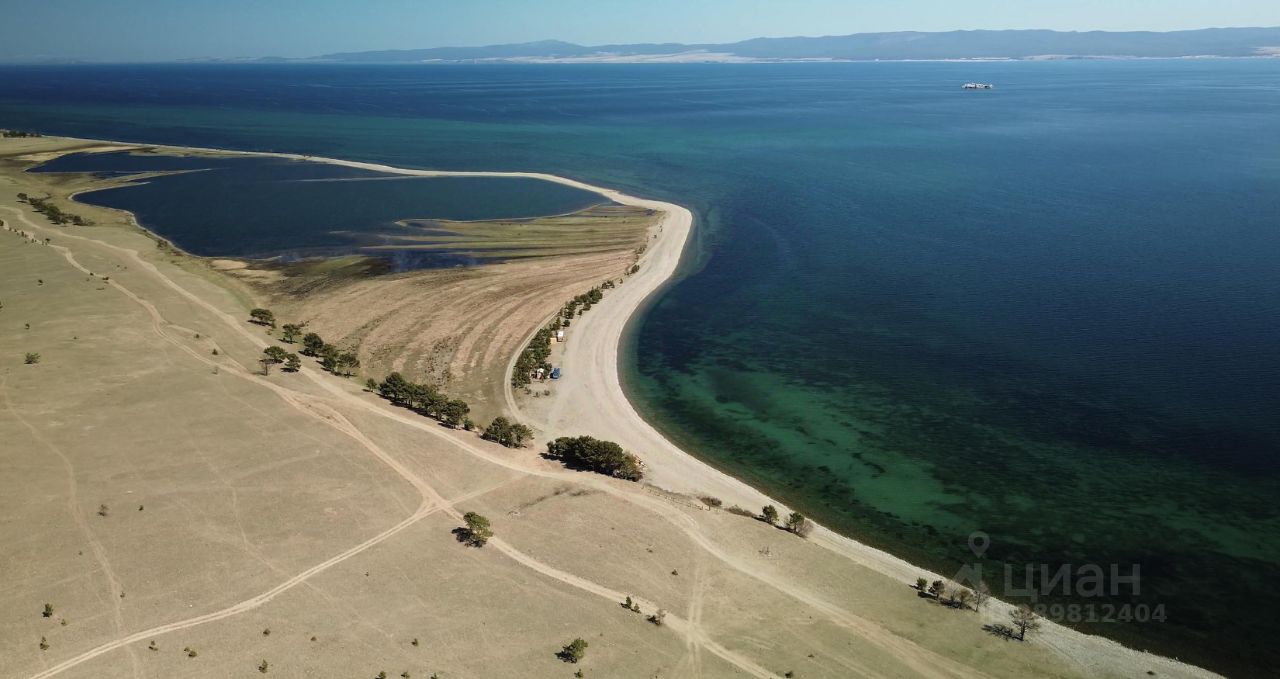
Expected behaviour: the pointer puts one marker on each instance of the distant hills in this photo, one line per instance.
(901, 46)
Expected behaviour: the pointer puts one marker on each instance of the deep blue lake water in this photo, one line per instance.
(1049, 312)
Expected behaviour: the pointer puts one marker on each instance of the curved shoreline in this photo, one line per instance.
(591, 400)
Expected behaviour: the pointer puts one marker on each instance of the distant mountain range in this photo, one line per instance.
(902, 46)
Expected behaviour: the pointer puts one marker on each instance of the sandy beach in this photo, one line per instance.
(590, 400)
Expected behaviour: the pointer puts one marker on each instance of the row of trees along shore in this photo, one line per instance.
(962, 598)
(796, 522)
(52, 212)
(535, 355)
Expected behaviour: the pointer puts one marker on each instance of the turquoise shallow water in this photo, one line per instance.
(1050, 312)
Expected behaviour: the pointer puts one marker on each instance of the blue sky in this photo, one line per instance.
(142, 30)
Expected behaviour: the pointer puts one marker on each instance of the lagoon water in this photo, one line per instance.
(286, 209)
(1048, 312)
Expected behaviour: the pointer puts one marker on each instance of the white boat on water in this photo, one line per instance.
(979, 86)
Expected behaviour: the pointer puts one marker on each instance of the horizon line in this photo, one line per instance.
(54, 60)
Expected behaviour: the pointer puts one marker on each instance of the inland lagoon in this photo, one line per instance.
(1048, 312)
(266, 207)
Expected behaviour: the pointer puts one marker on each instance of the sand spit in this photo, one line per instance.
(590, 400)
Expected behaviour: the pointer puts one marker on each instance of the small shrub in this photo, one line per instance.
(1024, 620)
(31, 358)
(507, 432)
(981, 593)
(573, 651)
(659, 617)
(798, 524)
(312, 344)
(44, 644)
(710, 501)
(275, 354)
(264, 666)
(477, 531)
(262, 317)
(48, 611)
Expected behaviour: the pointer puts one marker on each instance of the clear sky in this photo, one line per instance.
(156, 30)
